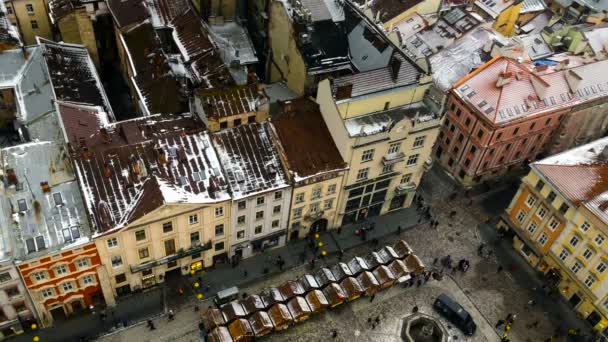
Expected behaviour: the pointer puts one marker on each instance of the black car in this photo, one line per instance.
(455, 313)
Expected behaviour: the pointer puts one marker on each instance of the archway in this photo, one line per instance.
(319, 225)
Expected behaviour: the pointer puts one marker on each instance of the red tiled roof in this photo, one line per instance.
(127, 12)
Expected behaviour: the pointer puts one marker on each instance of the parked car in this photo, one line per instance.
(455, 313)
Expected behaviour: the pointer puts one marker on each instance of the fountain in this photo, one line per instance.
(422, 328)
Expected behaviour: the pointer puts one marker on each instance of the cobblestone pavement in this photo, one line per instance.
(489, 295)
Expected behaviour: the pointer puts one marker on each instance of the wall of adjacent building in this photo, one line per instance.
(77, 28)
(22, 20)
(584, 124)
(15, 305)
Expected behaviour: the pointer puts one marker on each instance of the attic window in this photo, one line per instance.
(198, 176)
(183, 180)
(30, 245)
(58, 199)
(482, 103)
(464, 87)
(489, 110)
(240, 178)
(40, 242)
(471, 94)
(22, 205)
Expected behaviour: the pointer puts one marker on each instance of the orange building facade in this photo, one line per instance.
(64, 283)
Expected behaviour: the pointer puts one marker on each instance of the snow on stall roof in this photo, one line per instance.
(250, 159)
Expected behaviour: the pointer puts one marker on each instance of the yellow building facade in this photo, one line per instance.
(560, 222)
(508, 19)
(31, 18)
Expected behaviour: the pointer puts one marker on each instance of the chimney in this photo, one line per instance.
(106, 170)
(287, 107)
(573, 79)
(395, 66)
(45, 187)
(105, 136)
(344, 91)
(562, 64)
(504, 78)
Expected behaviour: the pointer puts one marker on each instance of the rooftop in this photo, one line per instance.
(42, 206)
(581, 175)
(127, 12)
(597, 38)
(130, 168)
(494, 7)
(306, 142)
(384, 121)
(533, 6)
(221, 103)
(410, 25)
(535, 46)
(385, 10)
(505, 90)
(250, 159)
(60, 8)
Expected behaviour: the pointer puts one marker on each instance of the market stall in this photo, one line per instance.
(252, 304)
(414, 264)
(280, 316)
(241, 331)
(299, 309)
(260, 323)
(219, 334)
(334, 294)
(385, 277)
(212, 318)
(398, 268)
(232, 311)
(369, 283)
(290, 289)
(308, 282)
(341, 271)
(402, 249)
(352, 288)
(271, 296)
(316, 301)
(357, 265)
(324, 277)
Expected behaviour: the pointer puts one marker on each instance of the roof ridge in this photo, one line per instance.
(478, 70)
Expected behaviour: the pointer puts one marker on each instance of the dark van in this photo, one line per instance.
(455, 313)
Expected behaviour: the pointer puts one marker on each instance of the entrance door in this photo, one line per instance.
(318, 226)
(574, 300)
(397, 202)
(294, 235)
(58, 314)
(77, 307)
(594, 318)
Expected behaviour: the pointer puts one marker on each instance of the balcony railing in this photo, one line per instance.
(404, 188)
(173, 257)
(392, 158)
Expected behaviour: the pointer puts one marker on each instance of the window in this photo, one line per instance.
(473, 149)
(275, 224)
(9, 10)
(242, 205)
(452, 128)
(543, 239)
(599, 239)
(259, 215)
(314, 208)
(406, 178)
(39, 276)
(316, 194)
(276, 209)
(548, 121)
(328, 204)
(34, 24)
(4, 277)
(195, 238)
(169, 247)
(563, 255)
(193, 219)
(362, 174)
(240, 219)
(331, 189)
(585, 226)
(590, 281)
(240, 234)
(574, 240)
(576, 267)
(394, 148)
(57, 198)
(46, 293)
(587, 254)
(140, 235)
(553, 223)
(29, 8)
(116, 261)
(551, 197)
(278, 195)
(479, 134)
(219, 230)
(539, 185)
(387, 168)
(259, 200)
(167, 227)
(367, 155)
(419, 141)
(251, 119)
(532, 227)
(82, 263)
(236, 122)
(541, 212)
(530, 201)
(412, 160)
(297, 213)
(563, 208)
(61, 269)
(223, 124)
(467, 122)
(143, 253)
(113, 242)
(219, 211)
(460, 137)
(300, 197)
(88, 279)
(521, 216)
(67, 286)
(458, 112)
(22, 204)
(601, 267)
(258, 229)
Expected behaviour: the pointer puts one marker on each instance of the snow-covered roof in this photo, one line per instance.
(129, 168)
(42, 206)
(384, 121)
(226, 102)
(597, 39)
(235, 47)
(250, 159)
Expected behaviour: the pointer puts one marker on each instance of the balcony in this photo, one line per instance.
(173, 257)
(313, 216)
(404, 188)
(428, 164)
(392, 158)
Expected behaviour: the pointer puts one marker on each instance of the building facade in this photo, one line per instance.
(314, 166)
(31, 18)
(384, 132)
(17, 310)
(486, 135)
(259, 188)
(559, 219)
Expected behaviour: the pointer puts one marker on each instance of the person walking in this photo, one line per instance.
(499, 269)
(372, 297)
(398, 229)
(334, 333)
(171, 315)
(499, 323)
(151, 325)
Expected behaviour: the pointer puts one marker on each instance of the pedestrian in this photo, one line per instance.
(377, 320)
(312, 262)
(499, 269)
(171, 315)
(533, 325)
(419, 220)
(334, 333)
(180, 291)
(373, 296)
(499, 323)
(369, 320)
(470, 202)
(151, 325)
(373, 325)
(244, 295)
(415, 309)
(480, 249)
(245, 274)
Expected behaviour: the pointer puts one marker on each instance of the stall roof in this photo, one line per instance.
(261, 324)
(290, 289)
(351, 287)
(220, 334)
(324, 276)
(308, 282)
(383, 274)
(341, 271)
(399, 268)
(334, 294)
(253, 303)
(279, 315)
(271, 296)
(402, 249)
(316, 300)
(241, 331)
(233, 310)
(414, 263)
(298, 307)
(212, 318)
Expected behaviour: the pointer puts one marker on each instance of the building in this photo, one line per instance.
(390, 12)
(154, 191)
(312, 40)
(259, 187)
(31, 19)
(232, 107)
(314, 166)
(560, 224)
(9, 37)
(486, 133)
(385, 134)
(576, 11)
